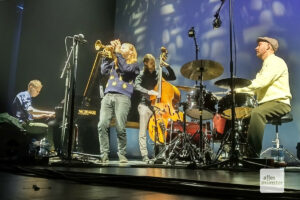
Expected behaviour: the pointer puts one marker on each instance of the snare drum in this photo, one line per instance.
(244, 103)
(209, 104)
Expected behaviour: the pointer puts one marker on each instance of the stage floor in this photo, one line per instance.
(135, 180)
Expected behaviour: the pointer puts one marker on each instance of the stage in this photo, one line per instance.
(77, 179)
(215, 49)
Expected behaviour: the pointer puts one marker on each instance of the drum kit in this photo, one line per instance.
(192, 140)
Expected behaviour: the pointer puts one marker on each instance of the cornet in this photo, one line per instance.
(107, 50)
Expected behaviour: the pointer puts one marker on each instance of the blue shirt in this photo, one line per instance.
(121, 79)
(20, 106)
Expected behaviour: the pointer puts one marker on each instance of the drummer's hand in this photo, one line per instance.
(229, 91)
(152, 92)
(237, 90)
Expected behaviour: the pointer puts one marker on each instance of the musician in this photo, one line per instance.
(145, 83)
(271, 87)
(23, 110)
(118, 91)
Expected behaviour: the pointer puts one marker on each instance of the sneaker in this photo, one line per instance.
(145, 159)
(104, 158)
(122, 158)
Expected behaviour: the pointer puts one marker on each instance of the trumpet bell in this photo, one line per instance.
(98, 45)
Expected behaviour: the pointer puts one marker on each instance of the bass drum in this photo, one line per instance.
(209, 104)
(244, 103)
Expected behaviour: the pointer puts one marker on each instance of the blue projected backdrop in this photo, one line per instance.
(152, 24)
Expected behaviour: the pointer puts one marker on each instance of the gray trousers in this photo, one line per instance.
(258, 121)
(145, 114)
(117, 105)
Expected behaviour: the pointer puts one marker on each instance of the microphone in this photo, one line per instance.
(80, 38)
(191, 32)
(217, 21)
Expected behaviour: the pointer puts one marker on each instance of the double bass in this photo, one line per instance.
(164, 105)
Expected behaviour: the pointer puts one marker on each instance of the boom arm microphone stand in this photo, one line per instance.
(68, 111)
(234, 157)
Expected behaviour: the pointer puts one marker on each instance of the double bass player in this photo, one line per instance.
(145, 83)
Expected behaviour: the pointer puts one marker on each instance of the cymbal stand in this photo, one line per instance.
(226, 140)
(201, 143)
(182, 145)
(192, 34)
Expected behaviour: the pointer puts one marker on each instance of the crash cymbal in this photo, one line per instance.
(211, 70)
(237, 83)
(185, 88)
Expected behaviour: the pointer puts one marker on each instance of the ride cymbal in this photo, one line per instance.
(210, 70)
(237, 83)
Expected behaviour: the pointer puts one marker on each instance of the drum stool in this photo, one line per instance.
(277, 151)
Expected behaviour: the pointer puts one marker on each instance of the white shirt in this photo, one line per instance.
(271, 82)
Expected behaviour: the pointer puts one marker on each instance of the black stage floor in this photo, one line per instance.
(136, 180)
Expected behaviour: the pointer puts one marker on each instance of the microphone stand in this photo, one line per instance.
(234, 159)
(233, 154)
(70, 88)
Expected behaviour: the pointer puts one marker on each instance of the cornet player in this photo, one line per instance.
(122, 72)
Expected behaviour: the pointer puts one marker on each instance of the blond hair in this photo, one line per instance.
(35, 84)
(132, 57)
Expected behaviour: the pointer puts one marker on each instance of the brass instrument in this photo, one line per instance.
(107, 50)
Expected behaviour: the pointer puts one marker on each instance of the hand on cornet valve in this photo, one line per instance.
(116, 45)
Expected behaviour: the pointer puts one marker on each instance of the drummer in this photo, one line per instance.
(272, 89)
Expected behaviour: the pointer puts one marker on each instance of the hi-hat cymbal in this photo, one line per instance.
(237, 83)
(210, 70)
(185, 88)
